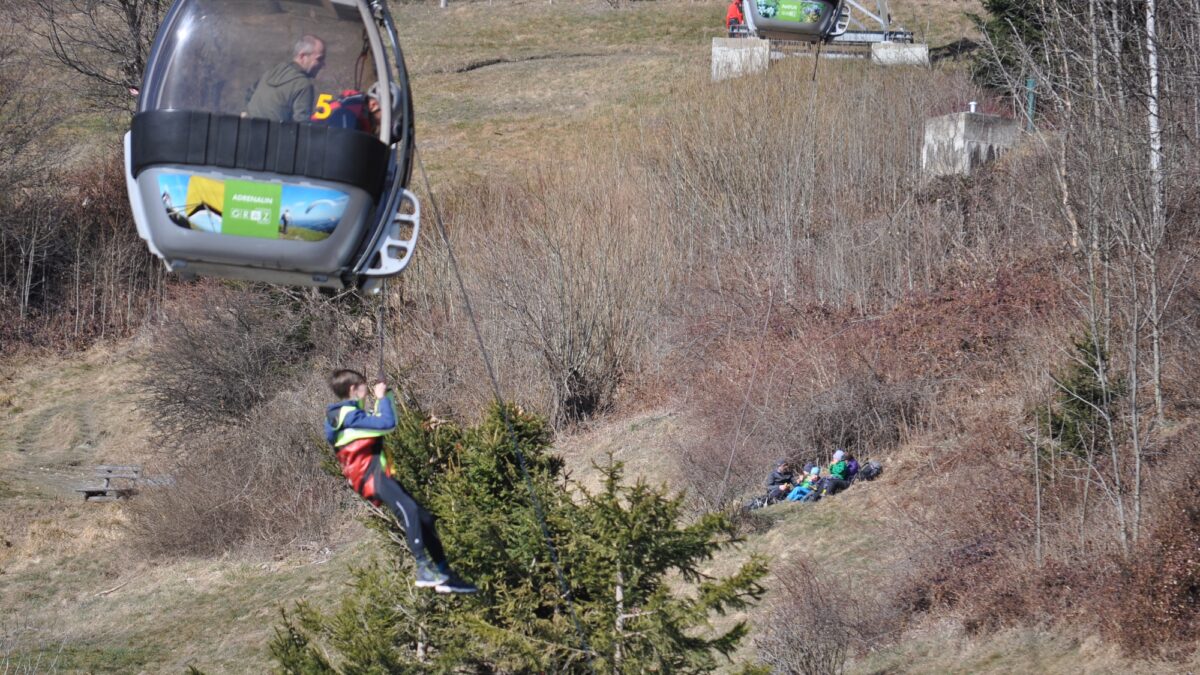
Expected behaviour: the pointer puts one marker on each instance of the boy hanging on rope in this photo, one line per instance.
(357, 436)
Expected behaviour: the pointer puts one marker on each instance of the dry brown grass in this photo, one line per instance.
(102, 611)
(568, 72)
(258, 485)
(941, 648)
(937, 21)
(625, 226)
(637, 255)
(567, 275)
(571, 73)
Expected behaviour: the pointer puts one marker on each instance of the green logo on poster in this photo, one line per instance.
(252, 209)
(799, 11)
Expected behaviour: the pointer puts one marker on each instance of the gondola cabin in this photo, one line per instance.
(799, 20)
(273, 141)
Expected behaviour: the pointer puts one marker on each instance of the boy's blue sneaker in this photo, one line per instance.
(456, 584)
(428, 576)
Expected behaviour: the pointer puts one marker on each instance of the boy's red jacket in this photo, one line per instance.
(354, 434)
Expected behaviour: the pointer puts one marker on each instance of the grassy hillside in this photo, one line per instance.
(514, 97)
(569, 71)
(937, 22)
(539, 78)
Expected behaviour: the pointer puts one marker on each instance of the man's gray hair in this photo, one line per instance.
(307, 44)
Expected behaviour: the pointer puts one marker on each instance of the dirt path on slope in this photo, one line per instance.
(64, 417)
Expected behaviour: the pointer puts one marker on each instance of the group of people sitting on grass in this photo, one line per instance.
(811, 485)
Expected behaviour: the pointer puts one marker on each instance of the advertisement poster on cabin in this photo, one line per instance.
(254, 209)
(795, 11)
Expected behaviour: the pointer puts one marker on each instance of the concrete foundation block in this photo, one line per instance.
(960, 143)
(734, 57)
(899, 54)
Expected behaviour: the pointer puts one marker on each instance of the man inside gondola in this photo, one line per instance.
(285, 93)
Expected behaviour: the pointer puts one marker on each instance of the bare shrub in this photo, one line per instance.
(566, 279)
(219, 352)
(263, 483)
(34, 242)
(960, 542)
(72, 270)
(1184, 347)
(236, 379)
(1158, 614)
(799, 407)
(341, 330)
(861, 411)
(706, 460)
(814, 198)
(808, 629)
(997, 548)
(988, 542)
(23, 110)
(106, 42)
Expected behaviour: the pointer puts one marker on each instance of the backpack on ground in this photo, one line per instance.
(870, 470)
(756, 503)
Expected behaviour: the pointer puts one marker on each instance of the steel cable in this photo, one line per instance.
(539, 511)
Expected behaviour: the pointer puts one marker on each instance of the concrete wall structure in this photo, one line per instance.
(899, 54)
(960, 143)
(734, 57)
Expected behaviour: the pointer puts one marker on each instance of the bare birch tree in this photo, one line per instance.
(1122, 95)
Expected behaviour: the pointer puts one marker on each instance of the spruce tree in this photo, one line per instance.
(633, 564)
(1015, 29)
(1074, 419)
(637, 560)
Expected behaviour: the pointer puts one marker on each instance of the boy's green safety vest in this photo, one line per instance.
(347, 436)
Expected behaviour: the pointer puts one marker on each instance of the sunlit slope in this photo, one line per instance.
(497, 85)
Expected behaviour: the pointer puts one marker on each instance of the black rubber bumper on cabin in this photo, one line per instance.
(231, 142)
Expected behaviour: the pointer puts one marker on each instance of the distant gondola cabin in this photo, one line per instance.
(802, 20)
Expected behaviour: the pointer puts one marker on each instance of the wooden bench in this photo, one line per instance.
(107, 491)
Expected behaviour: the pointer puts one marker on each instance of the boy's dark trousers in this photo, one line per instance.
(377, 486)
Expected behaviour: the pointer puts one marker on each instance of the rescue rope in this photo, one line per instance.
(564, 587)
(762, 341)
(817, 61)
(737, 432)
(380, 307)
